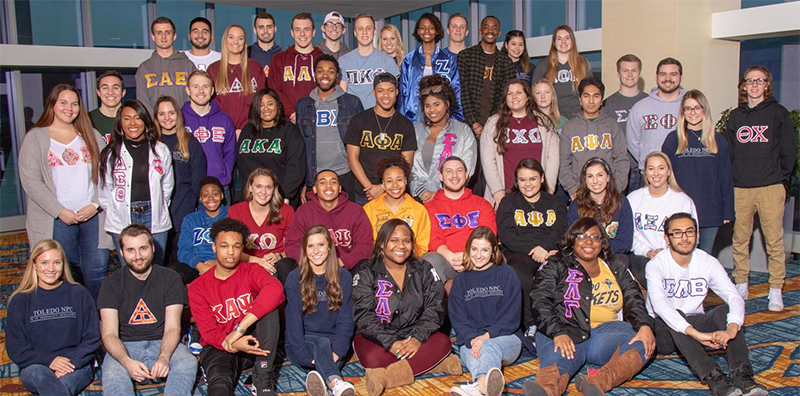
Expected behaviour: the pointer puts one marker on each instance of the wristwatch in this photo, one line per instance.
(238, 329)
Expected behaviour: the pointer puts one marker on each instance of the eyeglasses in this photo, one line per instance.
(677, 234)
(433, 89)
(695, 109)
(592, 237)
(332, 25)
(755, 81)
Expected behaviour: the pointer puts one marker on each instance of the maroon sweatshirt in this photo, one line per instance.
(291, 74)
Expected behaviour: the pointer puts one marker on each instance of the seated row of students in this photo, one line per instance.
(395, 309)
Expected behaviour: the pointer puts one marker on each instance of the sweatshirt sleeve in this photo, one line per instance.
(270, 291)
(508, 315)
(633, 134)
(344, 320)
(507, 229)
(141, 89)
(788, 144)
(623, 241)
(295, 171)
(459, 313)
(488, 217)
(721, 284)
(405, 87)
(455, 82)
(274, 82)
(211, 332)
(437, 236)
(658, 297)
(432, 315)
(294, 236)
(565, 176)
(186, 253)
(83, 354)
(362, 240)
(229, 147)
(422, 239)
(544, 311)
(295, 331)
(32, 179)
(168, 181)
(725, 179)
(18, 346)
(620, 155)
(367, 323)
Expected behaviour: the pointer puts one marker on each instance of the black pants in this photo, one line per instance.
(222, 369)
(525, 268)
(283, 267)
(637, 265)
(668, 341)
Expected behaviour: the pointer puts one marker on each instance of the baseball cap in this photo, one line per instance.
(384, 77)
(335, 16)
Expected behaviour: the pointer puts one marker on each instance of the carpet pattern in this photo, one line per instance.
(773, 339)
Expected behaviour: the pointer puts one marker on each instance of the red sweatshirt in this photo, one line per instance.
(452, 220)
(264, 238)
(292, 76)
(233, 102)
(217, 305)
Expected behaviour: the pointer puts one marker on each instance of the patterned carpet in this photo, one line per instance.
(773, 338)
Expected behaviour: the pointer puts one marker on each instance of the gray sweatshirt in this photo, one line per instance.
(582, 139)
(163, 76)
(331, 153)
(649, 122)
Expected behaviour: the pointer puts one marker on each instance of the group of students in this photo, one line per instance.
(362, 221)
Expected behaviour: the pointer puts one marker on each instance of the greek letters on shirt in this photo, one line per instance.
(265, 241)
(327, 118)
(382, 308)
(217, 134)
(119, 174)
(591, 142)
(70, 157)
(382, 141)
(201, 236)
(534, 218)
(752, 134)
(648, 222)
(166, 80)
(524, 136)
(565, 76)
(232, 308)
(341, 237)
(304, 74)
(572, 297)
(447, 221)
(447, 149)
(260, 146)
(686, 288)
(443, 68)
(622, 116)
(362, 76)
(651, 121)
(236, 86)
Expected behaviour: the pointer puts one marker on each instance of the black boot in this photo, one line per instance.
(719, 384)
(742, 378)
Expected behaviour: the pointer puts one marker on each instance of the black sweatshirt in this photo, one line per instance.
(280, 149)
(522, 226)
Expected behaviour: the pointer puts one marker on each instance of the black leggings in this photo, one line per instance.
(526, 269)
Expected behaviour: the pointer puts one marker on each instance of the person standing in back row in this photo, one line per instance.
(265, 46)
(763, 148)
(167, 70)
(200, 36)
(565, 68)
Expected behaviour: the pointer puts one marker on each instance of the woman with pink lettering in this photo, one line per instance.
(397, 306)
(59, 170)
(319, 315)
(578, 300)
(137, 177)
(520, 130)
(268, 217)
(438, 137)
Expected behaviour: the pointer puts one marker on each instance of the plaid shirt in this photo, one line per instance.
(471, 67)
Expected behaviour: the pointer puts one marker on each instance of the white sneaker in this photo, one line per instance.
(466, 390)
(743, 290)
(342, 388)
(495, 382)
(315, 385)
(775, 300)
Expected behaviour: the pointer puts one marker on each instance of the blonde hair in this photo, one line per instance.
(222, 83)
(276, 203)
(554, 113)
(401, 50)
(577, 63)
(180, 132)
(708, 137)
(673, 184)
(30, 280)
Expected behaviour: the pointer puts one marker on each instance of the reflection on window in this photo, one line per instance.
(589, 14)
(181, 13)
(545, 16)
(48, 22)
(107, 31)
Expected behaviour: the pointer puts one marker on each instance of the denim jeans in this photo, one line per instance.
(707, 237)
(145, 218)
(182, 369)
(598, 349)
(495, 352)
(39, 379)
(323, 357)
(80, 245)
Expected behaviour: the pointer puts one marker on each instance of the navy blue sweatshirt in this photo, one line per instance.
(338, 326)
(705, 177)
(188, 175)
(194, 242)
(44, 324)
(619, 231)
(485, 301)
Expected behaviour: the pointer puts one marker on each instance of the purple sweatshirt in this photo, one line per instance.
(217, 136)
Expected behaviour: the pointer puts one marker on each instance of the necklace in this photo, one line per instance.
(695, 134)
(382, 130)
(518, 120)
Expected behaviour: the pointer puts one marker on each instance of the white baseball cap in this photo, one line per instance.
(334, 15)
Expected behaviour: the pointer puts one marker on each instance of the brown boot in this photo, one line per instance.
(619, 369)
(398, 373)
(450, 365)
(548, 383)
(376, 381)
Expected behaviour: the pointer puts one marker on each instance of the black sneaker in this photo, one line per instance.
(719, 384)
(742, 378)
(264, 383)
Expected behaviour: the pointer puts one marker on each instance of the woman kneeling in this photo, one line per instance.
(577, 298)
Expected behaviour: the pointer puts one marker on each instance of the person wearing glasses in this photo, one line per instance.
(764, 150)
(702, 165)
(578, 300)
(680, 279)
(333, 29)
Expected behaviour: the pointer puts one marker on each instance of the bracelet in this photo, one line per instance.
(238, 329)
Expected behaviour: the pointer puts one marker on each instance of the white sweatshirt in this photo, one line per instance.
(649, 215)
(672, 288)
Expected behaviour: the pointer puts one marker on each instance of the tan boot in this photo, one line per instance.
(398, 373)
(376, 381)
(619, 369)
(548, 383)
(450, 365)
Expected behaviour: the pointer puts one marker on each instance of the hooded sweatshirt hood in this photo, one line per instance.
(292, 76)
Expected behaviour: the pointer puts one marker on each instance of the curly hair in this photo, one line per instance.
(437, 86)
(229, 225)
(393, 160)
(567, 242)
(437, 24)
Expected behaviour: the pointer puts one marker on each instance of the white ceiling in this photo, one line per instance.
(349, 8)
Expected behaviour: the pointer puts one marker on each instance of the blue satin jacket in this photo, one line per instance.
(443, 63)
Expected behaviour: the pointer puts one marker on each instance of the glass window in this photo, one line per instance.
(759, 3)
(781, 56)
(503, 10)
(283, 20)
(49, 22)
(129, 79)
(181, 14)
(545, 16)
(450, 8)
(595, 59)
(226, 15)
(413, 17)
(589, 14)
(10, 191)
(107, 31)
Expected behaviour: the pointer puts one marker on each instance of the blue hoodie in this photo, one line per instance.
(217, 136)
(194, 243)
